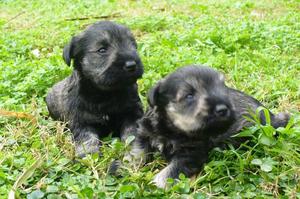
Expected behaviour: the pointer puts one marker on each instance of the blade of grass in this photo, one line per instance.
(24, 176)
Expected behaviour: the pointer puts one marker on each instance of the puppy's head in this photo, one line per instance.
(194, 99)
(106, 55)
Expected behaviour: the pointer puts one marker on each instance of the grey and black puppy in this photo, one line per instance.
(100, 96)
(191, 112)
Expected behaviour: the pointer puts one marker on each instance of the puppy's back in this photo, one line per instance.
(57, 97)
(243, 104)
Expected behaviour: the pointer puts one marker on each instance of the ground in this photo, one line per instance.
(255, 43)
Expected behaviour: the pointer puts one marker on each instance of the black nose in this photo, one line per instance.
(130, 66)
(221, 110)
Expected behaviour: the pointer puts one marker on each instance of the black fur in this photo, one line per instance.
(191, 112)
(101, 94)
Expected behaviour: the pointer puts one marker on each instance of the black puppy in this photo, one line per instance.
(192, 111)
(101, 94)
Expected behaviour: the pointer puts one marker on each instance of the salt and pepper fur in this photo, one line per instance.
(100, 96)
(182, 124)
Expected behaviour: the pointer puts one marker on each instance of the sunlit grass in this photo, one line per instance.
(255, 43)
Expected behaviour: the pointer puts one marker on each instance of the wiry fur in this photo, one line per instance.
(183, 123)
(101, 94)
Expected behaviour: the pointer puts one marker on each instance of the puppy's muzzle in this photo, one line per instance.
(130, 66)
(222, 111)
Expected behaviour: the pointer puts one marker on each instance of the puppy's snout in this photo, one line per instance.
(130, 66)
(221, 110)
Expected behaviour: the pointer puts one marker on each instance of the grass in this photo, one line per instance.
(255, 43)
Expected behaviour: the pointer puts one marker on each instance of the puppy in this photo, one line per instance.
(191, 112)
(100, 96)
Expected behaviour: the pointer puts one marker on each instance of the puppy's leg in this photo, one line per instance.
(189, 165)
(130, 128)
(280, 120)
(86, 141)
(171, 171)
(138, 153)
(129, 122)
(137, 156)
(129, 125)
(127, 129)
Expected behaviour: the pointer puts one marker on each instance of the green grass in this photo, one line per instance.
(255, 43)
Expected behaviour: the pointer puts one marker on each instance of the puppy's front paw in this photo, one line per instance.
(87, 147)
(160, 180)
(114, 167)
(136, 155)
(82, 151)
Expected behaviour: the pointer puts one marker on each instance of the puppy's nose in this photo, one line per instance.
(222, 110)
(130, 66)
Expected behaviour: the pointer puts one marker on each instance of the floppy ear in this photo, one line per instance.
(153, 95)
(68, 52)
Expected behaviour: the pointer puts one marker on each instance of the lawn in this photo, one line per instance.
(255, 43)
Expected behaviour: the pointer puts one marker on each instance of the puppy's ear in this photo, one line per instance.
(68, 52)
(153, 95)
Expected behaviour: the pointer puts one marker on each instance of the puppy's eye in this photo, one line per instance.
(102, 50)
(189, 97)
